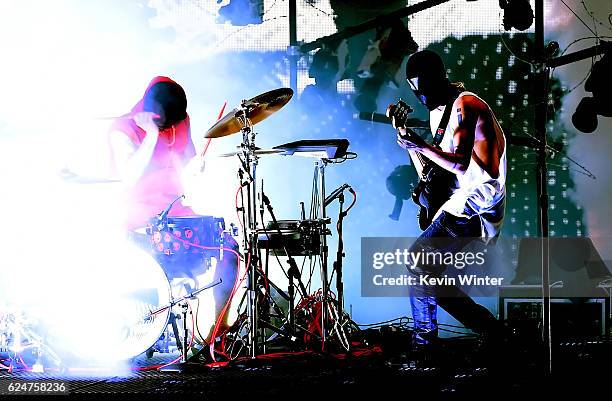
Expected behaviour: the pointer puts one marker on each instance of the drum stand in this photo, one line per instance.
(256, 328)
(293, 273)
(327, 304)
(249, 161)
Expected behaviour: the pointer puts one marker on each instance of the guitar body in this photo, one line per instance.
(432, 191)
(436, 184)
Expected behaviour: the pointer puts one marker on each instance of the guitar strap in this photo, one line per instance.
(443, 123)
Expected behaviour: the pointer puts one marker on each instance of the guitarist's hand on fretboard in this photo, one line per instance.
(409, 140)
(406, 138)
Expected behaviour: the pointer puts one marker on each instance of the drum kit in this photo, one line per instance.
(190, 245)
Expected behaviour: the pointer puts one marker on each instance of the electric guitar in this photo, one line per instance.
(435, 185)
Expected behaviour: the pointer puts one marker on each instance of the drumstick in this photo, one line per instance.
(208, 140)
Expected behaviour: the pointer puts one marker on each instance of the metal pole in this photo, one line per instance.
(324, 286)
(541, 181)
(252, 277)
(293, 51)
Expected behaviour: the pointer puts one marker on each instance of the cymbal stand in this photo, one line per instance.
(320, 175)
(249, 163)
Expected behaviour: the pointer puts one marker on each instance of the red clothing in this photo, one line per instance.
(160, 183)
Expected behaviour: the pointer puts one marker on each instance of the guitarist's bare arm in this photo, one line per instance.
(475, 137)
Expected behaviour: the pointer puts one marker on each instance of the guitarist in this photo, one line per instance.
(472, 147)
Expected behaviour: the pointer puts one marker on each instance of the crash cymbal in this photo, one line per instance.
(259, 108)
(257, 152)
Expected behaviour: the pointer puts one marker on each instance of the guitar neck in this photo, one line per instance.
(418, 161)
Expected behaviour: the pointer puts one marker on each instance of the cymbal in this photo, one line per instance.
(257, 152)
(259, 108)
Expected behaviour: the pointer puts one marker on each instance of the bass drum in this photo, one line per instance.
(107, 311)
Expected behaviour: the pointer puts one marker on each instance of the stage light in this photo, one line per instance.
(518, 14)
(600, 85)
(585, 117)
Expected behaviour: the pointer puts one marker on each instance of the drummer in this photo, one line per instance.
(150, 147)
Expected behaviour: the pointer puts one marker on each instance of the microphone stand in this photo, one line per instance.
(337, 265)
(184, 365)
(162, 217)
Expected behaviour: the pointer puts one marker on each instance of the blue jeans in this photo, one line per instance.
(455, 233)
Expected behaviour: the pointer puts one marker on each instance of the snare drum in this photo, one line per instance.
(298, 237)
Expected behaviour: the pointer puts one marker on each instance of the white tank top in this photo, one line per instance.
(476, 192)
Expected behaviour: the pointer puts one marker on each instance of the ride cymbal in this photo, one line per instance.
(259, 108)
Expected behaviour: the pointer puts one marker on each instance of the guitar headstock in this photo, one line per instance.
(398, 113)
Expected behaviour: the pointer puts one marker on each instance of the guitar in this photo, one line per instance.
(435, 185)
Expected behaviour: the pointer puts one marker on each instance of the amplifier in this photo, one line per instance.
(570, 317)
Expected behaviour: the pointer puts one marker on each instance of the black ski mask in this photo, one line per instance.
(168, 100)
(426, 76)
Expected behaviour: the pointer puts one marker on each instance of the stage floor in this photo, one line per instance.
(460, 368)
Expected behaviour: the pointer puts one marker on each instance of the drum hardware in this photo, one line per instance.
(165, 339)
(318, 148)
(241, 119)
(295, 237)
(233, 230)
(257, 152)
(319, 171)
(17, 329)
(325, 151)
(176, 301)
(309, 234)
(319, 178)
(294, 274)
(265, 307)
(184, 365)
(309, 231)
